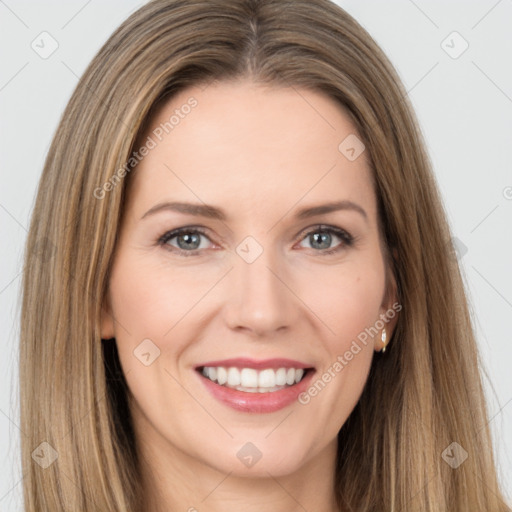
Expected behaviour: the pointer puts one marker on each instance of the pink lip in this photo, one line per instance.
(242, 362)
(257, 402)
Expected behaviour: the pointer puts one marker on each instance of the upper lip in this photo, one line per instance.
(261, 364)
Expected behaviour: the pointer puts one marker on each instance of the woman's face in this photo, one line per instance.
(266, 282)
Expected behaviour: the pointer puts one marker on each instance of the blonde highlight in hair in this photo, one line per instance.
(73, 393)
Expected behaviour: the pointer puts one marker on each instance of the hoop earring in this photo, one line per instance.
(383, 338)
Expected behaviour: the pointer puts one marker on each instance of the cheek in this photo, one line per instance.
(348, 303)
(360, 300)
(346, 300)
(149, 299)
(150, 302)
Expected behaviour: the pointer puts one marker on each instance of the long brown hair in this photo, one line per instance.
(424, 394)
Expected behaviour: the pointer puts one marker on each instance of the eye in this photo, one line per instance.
(322, 236)
(187, 240)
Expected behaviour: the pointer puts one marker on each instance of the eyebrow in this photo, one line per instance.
(212, 212)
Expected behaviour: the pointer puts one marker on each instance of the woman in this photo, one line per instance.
(199, 347)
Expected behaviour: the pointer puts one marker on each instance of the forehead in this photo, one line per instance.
(252, 145)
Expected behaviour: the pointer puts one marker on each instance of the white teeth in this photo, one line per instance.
(267, 379)
(212, 373)
(281, 377)
(249, 378)
(233, 377)
(222, 375)
(254, 381)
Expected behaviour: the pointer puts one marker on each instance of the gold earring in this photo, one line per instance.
(383, 338)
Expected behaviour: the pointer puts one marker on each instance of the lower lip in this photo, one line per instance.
(257, 402)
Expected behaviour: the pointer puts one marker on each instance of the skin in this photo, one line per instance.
(259, 153)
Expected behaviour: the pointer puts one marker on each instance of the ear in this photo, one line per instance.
(390, 307)
(107, 319)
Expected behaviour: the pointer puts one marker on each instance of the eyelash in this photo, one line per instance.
(347, 239)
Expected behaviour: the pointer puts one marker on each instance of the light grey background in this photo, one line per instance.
(464, 105)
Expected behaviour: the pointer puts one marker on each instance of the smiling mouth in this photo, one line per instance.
(251, 380)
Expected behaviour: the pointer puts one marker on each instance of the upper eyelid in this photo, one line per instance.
(173, 233)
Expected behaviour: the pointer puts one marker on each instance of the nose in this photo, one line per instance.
(261, 300)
